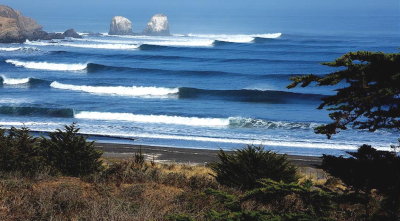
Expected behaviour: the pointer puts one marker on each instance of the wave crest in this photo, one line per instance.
(93, 46)
(133, 91)
(14, 81)
(10, 49)
(231, 122)
(164, 119)
(47, 66)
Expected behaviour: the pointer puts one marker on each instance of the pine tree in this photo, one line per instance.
(370, 98)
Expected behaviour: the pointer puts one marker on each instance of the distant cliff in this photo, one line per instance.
(16, 28)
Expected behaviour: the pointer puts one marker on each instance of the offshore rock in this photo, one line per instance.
(120, 26)
(71, 33)
(158, 25)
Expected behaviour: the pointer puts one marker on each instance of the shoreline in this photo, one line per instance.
(182, 155)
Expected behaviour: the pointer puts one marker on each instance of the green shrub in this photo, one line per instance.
(70, 153)
(20, 152)
(245, 166)
(369, 169)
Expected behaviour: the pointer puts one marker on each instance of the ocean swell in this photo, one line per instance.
(37, 111)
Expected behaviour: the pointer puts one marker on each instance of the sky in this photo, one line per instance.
(202, 14)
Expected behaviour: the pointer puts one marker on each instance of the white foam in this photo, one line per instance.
(166, 41)
(163, 119)
(102, 46)
(10, 49)
(14, 81)
(119, 90)
(236, 38)
(94, 46)
(47, 66)
(265, 142)
(186, 43)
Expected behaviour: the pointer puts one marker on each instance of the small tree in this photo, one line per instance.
(70, 153)
(370, 98)
(20, 152)
(246, 166)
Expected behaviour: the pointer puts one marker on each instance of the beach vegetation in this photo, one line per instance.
(244, 167)
(368, 170)
(65, 152)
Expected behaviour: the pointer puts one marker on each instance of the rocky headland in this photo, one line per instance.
(16, 28)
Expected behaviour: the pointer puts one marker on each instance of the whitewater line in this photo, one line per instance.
(133, 91)
(47, 66)
(14, 81)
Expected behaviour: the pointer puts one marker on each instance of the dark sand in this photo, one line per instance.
(182, 155)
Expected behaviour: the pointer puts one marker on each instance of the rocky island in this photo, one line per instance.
(16, 28)
(158, 25)
(120, 26)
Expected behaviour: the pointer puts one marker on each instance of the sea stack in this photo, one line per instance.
(120, 26)
(158, 25)
(14, 27)
(71, 33)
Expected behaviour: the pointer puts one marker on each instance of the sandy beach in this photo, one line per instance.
(182, 155)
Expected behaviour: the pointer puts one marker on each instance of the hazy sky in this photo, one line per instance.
(77, 13)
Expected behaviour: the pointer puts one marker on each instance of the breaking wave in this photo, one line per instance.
(93, 46)
(47, 66)
(244, 95)
(234, 122)
(14, 81)
(10, 49)
(237, 38)
(22, 81)
(119, 90)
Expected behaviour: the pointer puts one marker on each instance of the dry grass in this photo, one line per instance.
(151, 191)
(161, 190)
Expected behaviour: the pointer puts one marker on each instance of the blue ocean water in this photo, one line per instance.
(187, 90)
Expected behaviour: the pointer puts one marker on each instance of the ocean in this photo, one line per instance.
(196, 90)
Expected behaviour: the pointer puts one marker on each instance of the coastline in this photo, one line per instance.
(182, 155)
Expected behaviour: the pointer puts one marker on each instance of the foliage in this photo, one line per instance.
(70, 153)
(369, 169)
(20, 152)
(245, 166)
(285, 201)
(179, 217)
(370, 98)
(66, 152)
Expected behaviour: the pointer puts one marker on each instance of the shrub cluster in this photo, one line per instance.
(246, 166)
(64, 152)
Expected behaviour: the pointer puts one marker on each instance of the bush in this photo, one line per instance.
(245, 166)
(369, 169)
(20, 152)
(70, 153)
